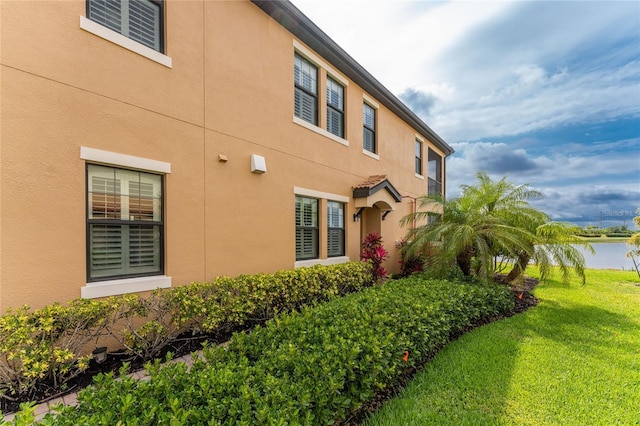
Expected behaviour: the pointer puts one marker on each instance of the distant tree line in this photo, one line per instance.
(595, 231)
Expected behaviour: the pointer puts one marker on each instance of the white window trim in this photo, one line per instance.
(117, 38)
(326, 262)
(126, 285)
(419, 176)
(373, 104)
(371, 154)
(320, 131)
(368, 99)
(124, 160)
(319, 194)
(308, 54)
(305, 192)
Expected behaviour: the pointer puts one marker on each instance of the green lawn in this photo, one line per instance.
(572, 360)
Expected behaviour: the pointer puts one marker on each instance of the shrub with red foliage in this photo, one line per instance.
(373, 251)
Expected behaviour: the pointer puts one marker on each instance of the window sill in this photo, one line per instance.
(116, 38)
(123, 286)
(419, 176)
(326, 262)
(371, 154)
(320, 131)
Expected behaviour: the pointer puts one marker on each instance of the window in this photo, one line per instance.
(139, 20)
(434, 168)
(124, 223)
(369, 137)
(335, 107)
(335, 227)
(306, 90)
(418, 165)
(306, 228)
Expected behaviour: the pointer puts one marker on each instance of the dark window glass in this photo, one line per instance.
(434, 169)
(305, 100)
(124, 223)
(335, 108)
(335, 228)
(139, 20)
(306, 228)
(369, 136)
(418, 168)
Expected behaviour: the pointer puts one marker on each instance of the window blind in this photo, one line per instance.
(306, 90)
(335, 228)
(139, 20)
(306, 228)
(335, 108)
(305, 106)
(144, 23)
(369, 132)
(124, 222)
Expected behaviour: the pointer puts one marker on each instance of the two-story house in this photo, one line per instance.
(152, 143)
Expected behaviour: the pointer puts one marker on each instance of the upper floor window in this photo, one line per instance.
(369, 136)
(434, 168)
(139, 20)
(306, 90)
(306, 228)
(335, 228)
(335, 107)
(124, 223)
(418, 160)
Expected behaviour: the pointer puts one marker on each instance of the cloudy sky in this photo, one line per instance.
(544, 92)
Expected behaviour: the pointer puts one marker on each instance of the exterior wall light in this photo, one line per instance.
(258, 164)
(100, 354)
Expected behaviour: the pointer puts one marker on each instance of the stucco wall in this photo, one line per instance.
(229, 91)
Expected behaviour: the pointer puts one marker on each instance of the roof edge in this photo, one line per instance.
(385, 184)
(297, 23)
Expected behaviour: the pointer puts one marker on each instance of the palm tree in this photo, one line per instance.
(468, 233)
(491, 219)
(554, 244)
(634, 243)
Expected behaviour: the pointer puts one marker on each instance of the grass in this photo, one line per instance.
(572, 360)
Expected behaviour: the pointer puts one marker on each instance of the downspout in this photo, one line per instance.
(413, 208)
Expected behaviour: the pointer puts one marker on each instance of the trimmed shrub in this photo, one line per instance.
(47, 344)
(312, 367)
(373, 251)
(50, 344)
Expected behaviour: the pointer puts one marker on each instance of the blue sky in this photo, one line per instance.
(544, 92)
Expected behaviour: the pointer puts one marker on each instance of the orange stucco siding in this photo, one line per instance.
(228, 92)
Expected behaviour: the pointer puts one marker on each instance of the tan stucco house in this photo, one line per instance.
(151, 143)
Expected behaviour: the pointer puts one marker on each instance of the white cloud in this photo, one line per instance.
(574, 188)
(532, 98)
(549, 170)
(395, 40)
(490, 69)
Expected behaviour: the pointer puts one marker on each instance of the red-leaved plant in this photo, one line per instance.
(409, 262)
(373, 251)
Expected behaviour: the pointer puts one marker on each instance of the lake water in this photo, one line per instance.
(608, 256)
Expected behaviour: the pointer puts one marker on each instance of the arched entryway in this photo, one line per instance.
(372, 204)
(371, 221)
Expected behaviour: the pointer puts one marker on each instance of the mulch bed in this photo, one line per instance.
(522, 297)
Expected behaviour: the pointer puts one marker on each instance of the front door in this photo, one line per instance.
(371, 221)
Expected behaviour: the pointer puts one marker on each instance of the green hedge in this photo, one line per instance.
(311, 367)
(50, 344)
